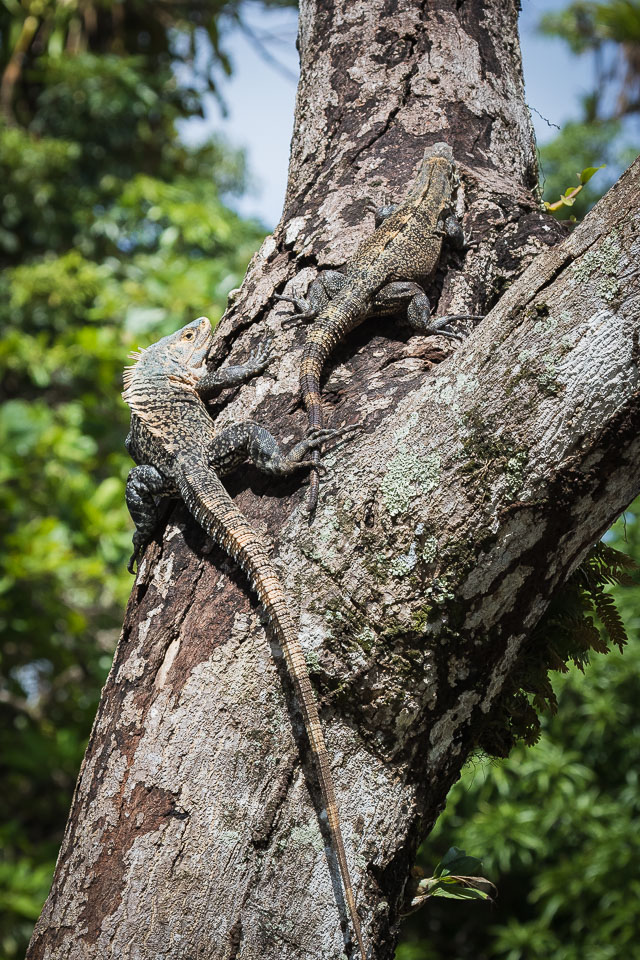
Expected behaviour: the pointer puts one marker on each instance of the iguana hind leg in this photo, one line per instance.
(323, 289)
(409, 296)
(145, 487)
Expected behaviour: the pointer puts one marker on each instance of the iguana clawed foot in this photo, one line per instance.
(314, 440)
(260, 358)
(305, 313)
(420, 319)
(382, 210)
(326, 285)
(135, 556)
(214, 381)
(331, 433)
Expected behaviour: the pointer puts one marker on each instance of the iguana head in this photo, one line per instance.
(175, 362)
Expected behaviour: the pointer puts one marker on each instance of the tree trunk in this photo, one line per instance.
(480, 480)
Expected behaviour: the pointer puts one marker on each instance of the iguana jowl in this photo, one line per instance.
(404, 248)
(180, 453)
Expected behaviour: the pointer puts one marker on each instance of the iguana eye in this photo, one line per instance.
(188, 335)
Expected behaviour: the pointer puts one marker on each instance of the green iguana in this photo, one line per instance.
(180, 453)
(380, 278)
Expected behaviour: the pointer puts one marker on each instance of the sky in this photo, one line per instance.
(260, 96)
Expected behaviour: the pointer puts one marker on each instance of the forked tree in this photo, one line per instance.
(482, 475)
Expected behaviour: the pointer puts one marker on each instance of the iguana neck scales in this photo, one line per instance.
(405, 247)
(180, 453)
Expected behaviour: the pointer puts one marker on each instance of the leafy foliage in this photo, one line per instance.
(583, 145)
(611, 30)
(185, 36)
(566, 634)
(568, 198)
(111, 234)
(448, 881)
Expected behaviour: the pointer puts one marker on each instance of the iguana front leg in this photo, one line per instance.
(145, 486)
(396, 297)
(381, 211)
(419, 319)
(216, 380)
(249, 441)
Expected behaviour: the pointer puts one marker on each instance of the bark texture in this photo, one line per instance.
(481, 479)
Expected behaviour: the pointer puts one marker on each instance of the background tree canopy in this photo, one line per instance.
(113, 233)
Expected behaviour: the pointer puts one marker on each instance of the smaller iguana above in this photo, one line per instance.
(381, 278)
(180, 453)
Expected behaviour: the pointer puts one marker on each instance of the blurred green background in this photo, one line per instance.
(114, 232)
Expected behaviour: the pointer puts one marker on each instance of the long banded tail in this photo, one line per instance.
(313, 358)
(321, 340)
(215, 511)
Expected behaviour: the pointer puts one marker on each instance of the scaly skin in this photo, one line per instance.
(179, 453)
(405, 247)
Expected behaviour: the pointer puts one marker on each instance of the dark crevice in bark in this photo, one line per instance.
(235, 939)
(393, 112)
(261, 836)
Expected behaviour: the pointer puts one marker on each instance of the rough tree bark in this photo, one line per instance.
(481, 479)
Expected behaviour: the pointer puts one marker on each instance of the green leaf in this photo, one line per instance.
(588, 172)
(456, 861)
(455, 891)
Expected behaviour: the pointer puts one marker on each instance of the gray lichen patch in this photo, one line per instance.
(228, 838)
(536, 369)
(514, 473)
(408, 476)
(546, 325)
(448, 391)
(312, 660)
(404, 564)
(429, 549)
(307, 835)
(366, 639)
(604, 260)
(439, 591)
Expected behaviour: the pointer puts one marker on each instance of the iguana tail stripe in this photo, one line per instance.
(215, 511)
